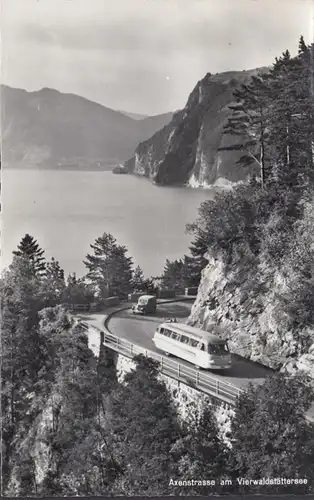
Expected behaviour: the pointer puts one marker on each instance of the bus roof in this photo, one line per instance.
(197, 333)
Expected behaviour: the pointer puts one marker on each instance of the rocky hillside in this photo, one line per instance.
(251, 320)
(186, 150)
(48, 128)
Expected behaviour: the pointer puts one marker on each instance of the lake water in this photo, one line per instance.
(66, 210)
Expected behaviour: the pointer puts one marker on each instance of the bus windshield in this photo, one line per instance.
(218, 349)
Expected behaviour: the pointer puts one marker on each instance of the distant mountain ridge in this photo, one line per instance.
(47, 128)
(186, 150)
(135, 116)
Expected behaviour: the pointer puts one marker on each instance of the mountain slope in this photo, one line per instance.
(186, 150)
(135, 116)
(48, 128)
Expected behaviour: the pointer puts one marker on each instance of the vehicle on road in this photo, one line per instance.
(203, 349)
(146, 304)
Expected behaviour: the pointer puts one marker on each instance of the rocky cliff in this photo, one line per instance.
(186, 150)
(250, 316)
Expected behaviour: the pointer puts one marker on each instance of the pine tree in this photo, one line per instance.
(53, 286)
(142, 427)
(138, 280)
(109, 268)
(29, 249)
(248, 124)
(173, 277)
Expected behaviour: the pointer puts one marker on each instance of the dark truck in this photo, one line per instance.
(146, 304)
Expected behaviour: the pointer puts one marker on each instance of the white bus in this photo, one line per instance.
(203, 349)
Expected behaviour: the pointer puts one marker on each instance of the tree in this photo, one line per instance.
(142, 425)
(109, 268)
(248, 123)
(195, 263)
(53, 286)
(21, 357)
(140, 283)
(173, 275)
(30, 249)
(77, 291)
(270, 435)
(200, 453)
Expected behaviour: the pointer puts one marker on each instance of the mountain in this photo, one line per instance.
(50, 129)
(185, 151)
(135, 116)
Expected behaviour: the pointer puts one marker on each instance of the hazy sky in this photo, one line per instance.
(143, 56)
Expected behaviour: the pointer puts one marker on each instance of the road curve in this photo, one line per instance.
(140, 330)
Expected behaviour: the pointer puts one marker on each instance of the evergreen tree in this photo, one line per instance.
(173, 275)
(29, 249)
(109, 268)
(200, 453)
(270, 434)
(53, 286)
(142, 426)
(248, 124)
(21, 357)
(77, 291)
(195, 263)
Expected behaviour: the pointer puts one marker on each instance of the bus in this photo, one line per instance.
(203, 349)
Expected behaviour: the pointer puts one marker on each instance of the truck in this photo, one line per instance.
(146, 304)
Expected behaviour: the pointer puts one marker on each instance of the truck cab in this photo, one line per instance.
(146, 304)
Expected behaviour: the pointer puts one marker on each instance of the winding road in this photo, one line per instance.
(140, 330)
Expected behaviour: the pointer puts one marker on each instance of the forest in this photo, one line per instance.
(69, 427)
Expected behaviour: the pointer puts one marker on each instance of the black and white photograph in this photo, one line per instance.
(157, 248)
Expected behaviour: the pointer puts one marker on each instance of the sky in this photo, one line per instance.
(143, 56)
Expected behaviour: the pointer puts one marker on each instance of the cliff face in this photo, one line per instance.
(186, 150)
(251, 318)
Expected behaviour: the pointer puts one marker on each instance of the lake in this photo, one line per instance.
(66, 210)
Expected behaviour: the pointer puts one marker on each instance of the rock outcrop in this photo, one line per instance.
(186, 151)
(251, 318)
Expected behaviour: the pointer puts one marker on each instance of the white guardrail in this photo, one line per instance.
(174, 369)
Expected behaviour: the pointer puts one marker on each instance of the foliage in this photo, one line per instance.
(30, 249)
(78, 291)
(142, 426)
(109, 268)
(200, 453)
(272, 119)
(140, 283)
(53, 285)
(270, 435)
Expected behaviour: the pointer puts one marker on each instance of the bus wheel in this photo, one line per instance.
(197, 367)
(166, 354)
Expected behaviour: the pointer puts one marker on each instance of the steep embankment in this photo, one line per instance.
(249, 309)
(186, 150)
(51, 129)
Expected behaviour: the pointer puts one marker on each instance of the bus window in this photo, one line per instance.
(167, 332)
(175, 336)
(202, 347)
(218, 349)
(184, 339)
(193, 342)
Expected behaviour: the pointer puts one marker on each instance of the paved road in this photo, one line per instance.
(140, 330)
